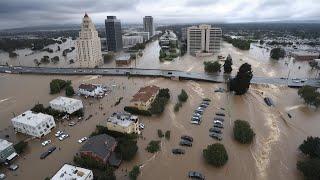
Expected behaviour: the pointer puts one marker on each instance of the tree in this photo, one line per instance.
(153, 146)
(216, 154)
(311, 147)
(56, 85)
(277, 53)
(183, 96)
(69, 91)
(313, 64)
(242, 132)
(177, 106)
(108, 57)
(20, 146)
(227, 67)
(241, 83)
(38, 108)
(160, 133)
(127, 148)
(134, 173)
(167, 134)
(55, 59)
(310, 95)
(212, 66)
(45, 60)
(310, 168)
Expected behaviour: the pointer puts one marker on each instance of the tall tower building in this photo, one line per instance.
(204, 38)
(113, 34)
(148, 25)
(88, 45)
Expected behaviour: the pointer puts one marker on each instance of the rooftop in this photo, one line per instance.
(100, 145)
(88, 87)
(124, 57)
(122, 119)
(31, 118)
(145, 93)
(4, 144)
(64, 101)
(69, 172)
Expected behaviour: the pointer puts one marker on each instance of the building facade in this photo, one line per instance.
(65, 104)
(69, 172)
(148, 25)
(113, 34)
(88, 45)
(143, 99)
(33, 124)
(130, 41)
(7, 151)
(204, 39)
(145, 35)
(92, 90)
(123, 122)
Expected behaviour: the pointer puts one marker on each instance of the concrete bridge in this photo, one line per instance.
(173, 74)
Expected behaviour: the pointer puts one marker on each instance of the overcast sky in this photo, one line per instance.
(22, 13)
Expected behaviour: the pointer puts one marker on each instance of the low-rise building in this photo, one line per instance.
(69, 172)
(145, 35)
(124, 59)
(7, 152)
(93, 90)
(123, 122)
(130, 40)
(65, 104)
(144, 97)
(100, 148)
(33, 124)
(305, 56)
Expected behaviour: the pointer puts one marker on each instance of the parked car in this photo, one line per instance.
(206, 99)
(2, 176)
(216, 130)
(216, 136)
(195, 175)
(188, 138)
(82, 140)
(218, 126)
(141, 126)
(178, 151)
(45, 143)
(220, 114)
(44, 155)
(63, 137)
(195, 122)
(72, 123)
(218, 119)
(51, 149)
(203, 105)
(13, 167)
(185, 143)
(58, 133)
(196, 118)
(205, 102)
(217, 122)
(197, 115)
(199, 111)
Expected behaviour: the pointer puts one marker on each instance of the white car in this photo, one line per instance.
(72, 123)
(58, 133)
(63, 137)
(195, 122)
(141, 126)
(2, 176)
(82, 140)
(217, 122)
(45, 143)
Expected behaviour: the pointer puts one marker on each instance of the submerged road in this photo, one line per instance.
(173, 74)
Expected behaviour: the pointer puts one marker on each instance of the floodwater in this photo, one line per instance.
(272, 155)
(259, 59)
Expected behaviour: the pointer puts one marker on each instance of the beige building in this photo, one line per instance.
(204, 39)
(123, 122)
(88, 45)
(144, 97)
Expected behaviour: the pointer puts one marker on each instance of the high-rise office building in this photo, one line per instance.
(113, 33)
(148, 25)
(88, 45)
(204, 38)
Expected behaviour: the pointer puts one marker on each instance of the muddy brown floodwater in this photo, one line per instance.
(272, 155)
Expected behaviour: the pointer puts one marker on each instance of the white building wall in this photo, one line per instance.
(130, 41)
(65, 104)
(88, 45)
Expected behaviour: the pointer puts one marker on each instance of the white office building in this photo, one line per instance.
(145, 35)
(130, 41)
(204, 39)
(69, 172)
(148, 25)
(65, 104)
(88, 45)
(92, 90)
(33, 124)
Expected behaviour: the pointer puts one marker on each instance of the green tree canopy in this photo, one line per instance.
(212, 66)
(227, 67)
(153, 146)
(311, 147)
(310, 95)
(69, 91)
(242, 132)
(310, 168)
(216, 154)
(134, 173)
(183, 96)
(277, 53)
(241, 83)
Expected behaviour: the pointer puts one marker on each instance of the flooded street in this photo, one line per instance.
(272, 155)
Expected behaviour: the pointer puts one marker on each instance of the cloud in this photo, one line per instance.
(21, 13)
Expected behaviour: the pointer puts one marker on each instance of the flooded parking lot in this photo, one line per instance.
(273, 154)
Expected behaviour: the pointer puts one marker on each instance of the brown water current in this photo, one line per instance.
(272, 155)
